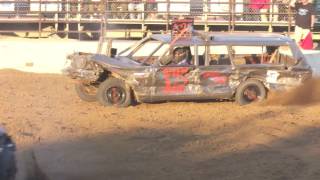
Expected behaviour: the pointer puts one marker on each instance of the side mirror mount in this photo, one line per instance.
(113, 52)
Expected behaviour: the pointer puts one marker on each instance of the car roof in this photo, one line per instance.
(227, 38)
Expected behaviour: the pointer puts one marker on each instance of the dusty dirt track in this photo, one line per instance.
(76, 140)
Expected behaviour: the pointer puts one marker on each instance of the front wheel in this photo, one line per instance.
(250, 91)
(86, 92)
(113, 92)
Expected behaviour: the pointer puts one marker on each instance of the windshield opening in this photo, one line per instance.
(130, 49)
(148, 51)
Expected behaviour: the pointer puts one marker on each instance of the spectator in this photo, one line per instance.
(136, 5)
(73, 8)
(118, 9)
(113, 7)
(151, 8)
(87, 8)
(259, 6)
(305, 18)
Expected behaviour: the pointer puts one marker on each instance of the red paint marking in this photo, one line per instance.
(220, 80)
(216, 76)
(207, 75)
(176, 75)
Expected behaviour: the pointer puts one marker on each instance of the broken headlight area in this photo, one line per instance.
(82, 67)
(79, 60)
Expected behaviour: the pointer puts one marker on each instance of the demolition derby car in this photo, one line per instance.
(200, 66)
(7, 157)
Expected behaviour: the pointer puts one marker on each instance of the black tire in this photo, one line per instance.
(250, 91)
(86, 92)
(113, 92)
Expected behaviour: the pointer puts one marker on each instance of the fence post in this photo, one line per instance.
(290, 18)
(206, 11)
(168, 15)
(271, 15)
(67, 14)
(79, 18)
(40, 19)
(56, 18)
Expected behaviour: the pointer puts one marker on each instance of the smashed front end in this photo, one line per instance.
(81, 67)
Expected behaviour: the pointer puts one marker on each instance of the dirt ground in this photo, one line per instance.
(76, 140)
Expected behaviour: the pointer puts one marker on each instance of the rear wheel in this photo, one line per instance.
(250, 91)
(86, 92)
(113, 92)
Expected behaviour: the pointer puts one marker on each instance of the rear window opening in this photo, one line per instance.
(262, 55)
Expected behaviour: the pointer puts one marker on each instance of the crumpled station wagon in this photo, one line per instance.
(235, 66)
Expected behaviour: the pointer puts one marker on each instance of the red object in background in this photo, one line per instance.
(182, 27)
(259, 4)
(307, 42)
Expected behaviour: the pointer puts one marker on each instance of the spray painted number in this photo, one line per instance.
(174, 78)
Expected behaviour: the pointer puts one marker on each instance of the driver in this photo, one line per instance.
(180, 56)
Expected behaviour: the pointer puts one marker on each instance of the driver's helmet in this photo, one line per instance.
(179, 54)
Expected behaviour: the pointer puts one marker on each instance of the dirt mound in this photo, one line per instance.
(307, 93)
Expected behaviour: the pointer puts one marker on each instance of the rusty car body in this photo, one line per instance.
(238, 66)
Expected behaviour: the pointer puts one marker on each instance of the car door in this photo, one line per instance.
(174, 82)
(215, 73)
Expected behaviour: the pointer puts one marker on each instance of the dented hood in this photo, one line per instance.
(118, 62)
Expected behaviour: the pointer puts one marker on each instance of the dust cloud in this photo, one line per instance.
(307, 93)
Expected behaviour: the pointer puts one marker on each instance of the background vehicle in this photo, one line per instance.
(7, 157)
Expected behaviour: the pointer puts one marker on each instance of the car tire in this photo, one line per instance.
(86, 92)
(250, 91)
(114, 92)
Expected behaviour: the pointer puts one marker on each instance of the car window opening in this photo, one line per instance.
(277, 55)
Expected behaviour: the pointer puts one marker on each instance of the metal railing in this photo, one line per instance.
(129, 17)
